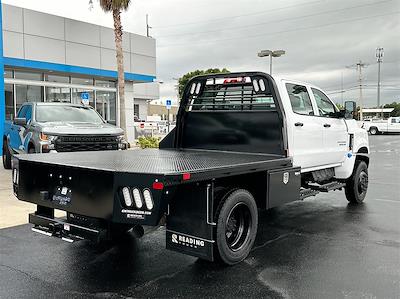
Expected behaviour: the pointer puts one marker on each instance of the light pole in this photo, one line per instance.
(379, 58)
(270, 53)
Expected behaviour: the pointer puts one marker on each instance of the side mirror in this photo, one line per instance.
(20, 121)
(350, 108)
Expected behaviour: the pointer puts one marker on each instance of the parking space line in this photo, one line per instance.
(387, 200)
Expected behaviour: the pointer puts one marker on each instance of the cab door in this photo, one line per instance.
(335, 135)
(15, 140)
(394, 125)
(305, 132)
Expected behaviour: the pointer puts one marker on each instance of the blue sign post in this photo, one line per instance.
(168, 104)
(85, 97)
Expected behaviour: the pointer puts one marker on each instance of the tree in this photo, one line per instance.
(186, 78)
(396, 110)
(116, 7)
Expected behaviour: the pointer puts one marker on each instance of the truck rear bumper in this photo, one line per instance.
(69, 232)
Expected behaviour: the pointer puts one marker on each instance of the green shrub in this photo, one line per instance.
(148, 142)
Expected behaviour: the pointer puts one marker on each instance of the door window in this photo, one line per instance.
(22, 111)
(299, 99)
(28, 114)
(325, 106)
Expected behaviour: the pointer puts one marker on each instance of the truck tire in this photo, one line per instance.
(236, 227)
(6, 156)
(357, 184)
(373, 131)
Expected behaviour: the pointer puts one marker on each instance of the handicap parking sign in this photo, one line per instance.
(85, 97)
(168, 103)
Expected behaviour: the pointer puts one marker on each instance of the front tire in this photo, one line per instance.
(6, 156)
(357, 184)
(373, 131)
(236, 227)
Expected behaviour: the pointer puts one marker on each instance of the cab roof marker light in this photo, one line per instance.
(137, 198)
(127, 196)
(148, 199)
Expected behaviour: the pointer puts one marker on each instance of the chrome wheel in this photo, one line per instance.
(362, 183)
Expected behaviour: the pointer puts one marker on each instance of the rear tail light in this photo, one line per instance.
(158, 186)
(138, 198)
(127, 196)
(148, 199)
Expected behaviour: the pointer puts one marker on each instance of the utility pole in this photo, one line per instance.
(359, 66)
(379, 58)
(147, 26)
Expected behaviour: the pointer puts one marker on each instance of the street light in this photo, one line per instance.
(276, 53)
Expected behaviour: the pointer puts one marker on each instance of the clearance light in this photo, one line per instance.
(127, 196)
(186, 176)
(148, 199)
(138, 198)
(158, 186)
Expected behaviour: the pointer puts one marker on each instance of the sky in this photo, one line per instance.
(323, 39)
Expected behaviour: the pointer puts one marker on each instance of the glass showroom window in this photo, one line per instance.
(82, 81)
(28, 93)
(56, 78)
(8, 74)
(9, 97)
(58, 94)
(28, 76)
(105, 83)
(77, 96)
(105, 105)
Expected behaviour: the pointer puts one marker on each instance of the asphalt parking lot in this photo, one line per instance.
(319, 248)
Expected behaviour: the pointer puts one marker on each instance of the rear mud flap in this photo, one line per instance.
(190, 245)
(189, 221)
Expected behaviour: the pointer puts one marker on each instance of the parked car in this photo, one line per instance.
(391, 125)
(243, 142)
(58, 127)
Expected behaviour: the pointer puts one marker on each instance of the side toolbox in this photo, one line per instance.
(283, 186)
(189, 222)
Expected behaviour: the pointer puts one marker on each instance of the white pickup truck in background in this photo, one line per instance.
(391, 125)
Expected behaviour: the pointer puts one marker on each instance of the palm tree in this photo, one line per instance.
(116, 7)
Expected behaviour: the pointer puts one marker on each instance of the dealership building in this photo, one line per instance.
(49, 58)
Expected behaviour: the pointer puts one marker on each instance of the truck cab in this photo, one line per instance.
(319, 136)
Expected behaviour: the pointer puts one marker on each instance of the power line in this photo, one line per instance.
(277, 21)
(279, 32)
(241, 15)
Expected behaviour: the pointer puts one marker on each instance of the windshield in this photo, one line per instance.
(64, 113)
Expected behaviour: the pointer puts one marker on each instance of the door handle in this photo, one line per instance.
(299, 124)
(327, 125)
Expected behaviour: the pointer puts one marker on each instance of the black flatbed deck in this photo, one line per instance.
(162, 161)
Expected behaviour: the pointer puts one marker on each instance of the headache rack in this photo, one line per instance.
(232, 94)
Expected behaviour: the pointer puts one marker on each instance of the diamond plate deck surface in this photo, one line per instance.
(153, 161)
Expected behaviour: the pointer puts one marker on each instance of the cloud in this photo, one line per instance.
(320, 37)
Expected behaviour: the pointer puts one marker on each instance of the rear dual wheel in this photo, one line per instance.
(236, 227)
